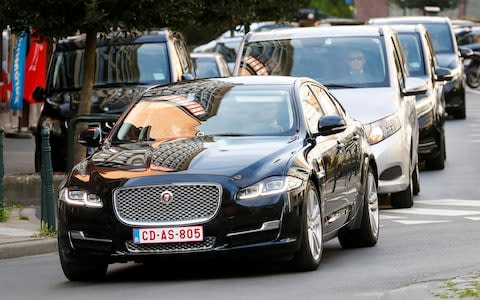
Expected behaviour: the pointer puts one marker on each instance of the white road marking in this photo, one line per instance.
(415, 222)
(473, 218)
(450, 202)
(435, 212)
(387, 217)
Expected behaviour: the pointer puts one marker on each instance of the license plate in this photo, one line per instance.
(185, 234)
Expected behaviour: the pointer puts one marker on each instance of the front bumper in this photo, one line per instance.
(268, 224)
(454, 93)
(393, 162)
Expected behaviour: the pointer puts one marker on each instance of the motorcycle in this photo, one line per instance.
(472, 70)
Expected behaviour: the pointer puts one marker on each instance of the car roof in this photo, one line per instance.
(408, 27)
(353, 30)
(410, 19)
(78, 41)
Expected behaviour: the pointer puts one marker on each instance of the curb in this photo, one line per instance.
(27, 248)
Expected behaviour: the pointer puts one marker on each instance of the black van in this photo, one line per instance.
(126, 65)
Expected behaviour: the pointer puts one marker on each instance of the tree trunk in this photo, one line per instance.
(85, 105)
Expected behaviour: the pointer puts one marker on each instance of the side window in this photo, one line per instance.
(183, 54)
(398, 63)
(311, 108)
(325, 101)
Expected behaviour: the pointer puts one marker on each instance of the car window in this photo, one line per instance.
(398, 63)
(441, 37)
(325, 102)
(131, 63)
(230, 111)
(321, 58)
(205, 67)
(412, 49)
(311, 108)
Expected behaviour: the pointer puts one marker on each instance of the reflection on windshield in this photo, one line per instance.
(115, 65)
(226, 111)
(336, 61)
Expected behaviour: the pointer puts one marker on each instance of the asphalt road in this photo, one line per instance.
(419, 249)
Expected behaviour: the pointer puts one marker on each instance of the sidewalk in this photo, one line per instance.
(20, 234)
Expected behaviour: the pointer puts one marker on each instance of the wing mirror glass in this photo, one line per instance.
(331, 124)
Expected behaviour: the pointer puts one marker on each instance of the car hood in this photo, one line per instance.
(368, 104)
(447, 60)
(239, 157)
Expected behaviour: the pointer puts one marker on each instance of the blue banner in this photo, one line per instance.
(18, 72)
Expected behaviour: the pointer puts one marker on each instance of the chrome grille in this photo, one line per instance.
(192, 203)
(171, 247)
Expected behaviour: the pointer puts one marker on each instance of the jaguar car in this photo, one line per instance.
(236, 165)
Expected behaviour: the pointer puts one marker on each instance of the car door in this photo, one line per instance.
(348, 145)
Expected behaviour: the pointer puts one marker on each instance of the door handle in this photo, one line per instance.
(356, 137)
(340, 145)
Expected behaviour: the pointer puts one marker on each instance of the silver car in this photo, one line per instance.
(365, 68)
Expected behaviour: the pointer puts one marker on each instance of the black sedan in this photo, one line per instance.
(263, 165)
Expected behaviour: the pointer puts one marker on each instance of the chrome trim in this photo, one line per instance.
(175, 223)
(270, 225)
(79, 235)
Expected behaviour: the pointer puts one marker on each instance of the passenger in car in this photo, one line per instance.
(356, 64)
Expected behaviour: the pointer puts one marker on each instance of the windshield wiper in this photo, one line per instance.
(338, 86)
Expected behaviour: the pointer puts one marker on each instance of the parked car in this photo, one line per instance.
(209, 64)
(378, 92)
(418, 49)
(261, 165)
(228, 42)
(447, 53)
(126, 66)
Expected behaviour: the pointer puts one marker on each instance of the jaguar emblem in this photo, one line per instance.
(166, 197)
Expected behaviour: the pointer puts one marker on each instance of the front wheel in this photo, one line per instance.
(367, 234)
(403, 199)
(310, 253)
(76, 267)
(473, 77)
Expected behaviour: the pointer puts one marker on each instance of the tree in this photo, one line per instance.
(442, 4)
(55, 19)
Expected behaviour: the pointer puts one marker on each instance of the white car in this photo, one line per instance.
(381, 96)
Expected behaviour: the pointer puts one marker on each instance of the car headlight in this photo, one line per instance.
(80, 197)
(270, 186)
(381, 129)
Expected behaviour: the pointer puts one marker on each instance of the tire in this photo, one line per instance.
(473, 77)
(79, 268)
(367, 234)
(309, 255)
(460, 113)
(437, 161)
(403, 199)
(416, 181)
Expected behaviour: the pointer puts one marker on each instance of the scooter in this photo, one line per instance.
(472, 70)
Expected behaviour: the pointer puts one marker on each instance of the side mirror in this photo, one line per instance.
(38, 94)
(443, 74)
(465, 52)
(414, 86)
(187, 76)
(91, 137)
(331, 124)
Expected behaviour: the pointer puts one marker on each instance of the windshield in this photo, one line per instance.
(441, 37)
(205, 67)
(413, 52)
(333, 61)
(236, 111)
(115, 65)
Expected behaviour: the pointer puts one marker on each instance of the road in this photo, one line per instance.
(419, 248)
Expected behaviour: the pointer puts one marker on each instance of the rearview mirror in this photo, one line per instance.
(443, 74)
(91, 137)
(38, 94)
(414, 86)
(331, 124)
(465, 52)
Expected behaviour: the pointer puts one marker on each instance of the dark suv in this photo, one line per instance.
(447, 53)
(126, 65)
